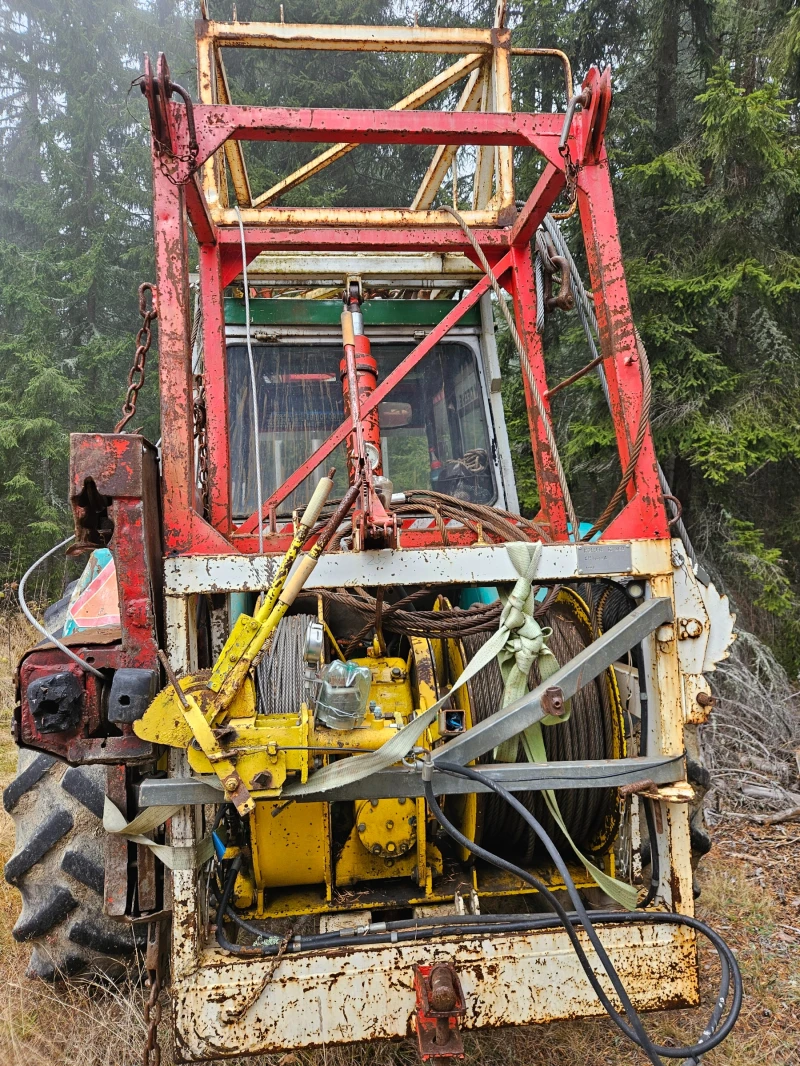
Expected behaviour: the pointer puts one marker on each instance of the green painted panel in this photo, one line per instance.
(290, 312)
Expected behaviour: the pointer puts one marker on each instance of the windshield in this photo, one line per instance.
(433, 424)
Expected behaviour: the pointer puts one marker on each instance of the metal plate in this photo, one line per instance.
(604, 559)
(264, 312)
(522, 777)
(356, 994)
(479, 564)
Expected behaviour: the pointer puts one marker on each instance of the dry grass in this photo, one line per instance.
(751, 744)
(751, 893)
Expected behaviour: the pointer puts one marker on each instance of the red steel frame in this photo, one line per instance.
(179, 200)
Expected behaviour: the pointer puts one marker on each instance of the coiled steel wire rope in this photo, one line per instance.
(592, 731)
(280, 673)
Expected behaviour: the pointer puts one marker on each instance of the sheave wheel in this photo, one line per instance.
(58, 867)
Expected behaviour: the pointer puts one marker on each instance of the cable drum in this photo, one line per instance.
(280, 675)
(593, 731)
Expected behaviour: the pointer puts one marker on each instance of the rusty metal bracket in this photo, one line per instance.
(158, 89)
(440, 1003)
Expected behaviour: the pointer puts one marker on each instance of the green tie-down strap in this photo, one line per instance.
(524, 646)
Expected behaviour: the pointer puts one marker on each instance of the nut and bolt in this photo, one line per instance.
(362, 827)
(230, 783)
(390, 825)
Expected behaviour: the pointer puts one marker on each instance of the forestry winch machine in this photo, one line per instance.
(383, 755)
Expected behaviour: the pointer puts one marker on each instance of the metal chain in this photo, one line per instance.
(571, 174)
(201, 437)
(144, 339)
(154, 963)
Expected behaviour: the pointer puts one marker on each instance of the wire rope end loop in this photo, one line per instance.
(581, 100)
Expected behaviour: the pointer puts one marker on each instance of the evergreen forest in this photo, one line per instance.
(703, 140)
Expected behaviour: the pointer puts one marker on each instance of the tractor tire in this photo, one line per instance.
(58, 866)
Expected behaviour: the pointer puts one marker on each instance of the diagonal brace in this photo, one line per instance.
(517, 716)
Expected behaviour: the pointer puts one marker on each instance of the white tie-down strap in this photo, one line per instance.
(186, 857)
(525, 557)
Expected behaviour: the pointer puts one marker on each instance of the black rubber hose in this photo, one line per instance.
(635, 1032)
(446, 925)
(649, 805)
(223, 908)
(655, 864)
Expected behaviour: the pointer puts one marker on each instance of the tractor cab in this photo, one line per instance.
(440, 428)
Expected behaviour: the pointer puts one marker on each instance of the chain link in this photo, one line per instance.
(201, 438)
(570, 173)
(144, 339)
(156, 940)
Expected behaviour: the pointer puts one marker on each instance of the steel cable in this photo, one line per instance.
(586, 313)
(587, 734)
(280, 674)
(253, 385)
(494, 520)
(452, 622)
(523, 357)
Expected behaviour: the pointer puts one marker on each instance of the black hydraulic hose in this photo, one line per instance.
(648, 804)
(461, 925)
(413, 929)
(223, 907)
(635, 1032)
(655, 863)
(453, 925)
